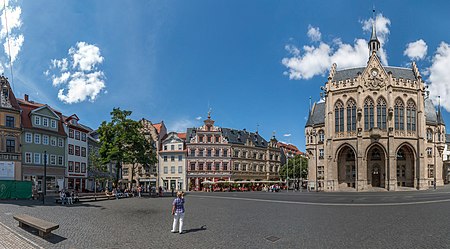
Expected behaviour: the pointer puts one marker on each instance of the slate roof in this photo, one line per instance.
(397, 72)
(317, 114)
(430, 112)
(240, 137)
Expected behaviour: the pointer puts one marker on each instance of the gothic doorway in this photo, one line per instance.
(347, 168)
(376, 167)
(405, 167)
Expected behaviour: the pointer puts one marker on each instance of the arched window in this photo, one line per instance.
(399, 113)
(321, 136)
(381, 113)
(351, 115)
(376, 155)
(429, 135)
(339, 116)
(368, 114)
(411, 116)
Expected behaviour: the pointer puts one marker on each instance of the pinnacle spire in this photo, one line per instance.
(374, 43)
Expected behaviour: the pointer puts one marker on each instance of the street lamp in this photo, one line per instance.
(44, 191)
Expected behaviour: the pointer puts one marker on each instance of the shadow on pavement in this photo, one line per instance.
(48, 202)
(52, 238)
(193, 230)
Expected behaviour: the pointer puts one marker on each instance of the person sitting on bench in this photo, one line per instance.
(69, 198)
(62, 197)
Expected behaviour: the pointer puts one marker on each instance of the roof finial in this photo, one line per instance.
(209, 113)
(374, 43)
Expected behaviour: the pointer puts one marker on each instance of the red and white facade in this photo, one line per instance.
(77, 154)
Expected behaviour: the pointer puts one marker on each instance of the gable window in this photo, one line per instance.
(381, 113)
(180, 147)
(45, 139)
(37, 138)
(70, 133)
(9, 121)
(172, 147)
(28, 137)
(45, 122)
(399, 115)
(411, 116)
(77, 135)
(37, 120)
(53, 123)
(339, 116)
(10, 145)
(351, 116)
(368, 114)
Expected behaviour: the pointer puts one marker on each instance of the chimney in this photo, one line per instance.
(26, 97)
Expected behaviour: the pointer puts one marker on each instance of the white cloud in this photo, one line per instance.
(314, 33)
(439, 76)
(310, 61)
(198, 118)
(287, 135)
(78, 75)
(181, 125)
(14, 23)
(86, 56)
(416, 50)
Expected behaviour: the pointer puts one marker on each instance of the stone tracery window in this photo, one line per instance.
(351, 115)
(339, 116)
(399, 114)
(368, 114)
(429, 135)
(381, 113)
(411, 116)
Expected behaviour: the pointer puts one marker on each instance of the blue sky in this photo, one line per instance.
(173, 60)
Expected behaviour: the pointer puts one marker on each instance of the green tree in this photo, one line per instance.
(123, 142)
(297, 168)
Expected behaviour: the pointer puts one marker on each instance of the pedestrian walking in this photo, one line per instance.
(139, 191)
(178, 212)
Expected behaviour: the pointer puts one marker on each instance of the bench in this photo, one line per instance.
(44, 227)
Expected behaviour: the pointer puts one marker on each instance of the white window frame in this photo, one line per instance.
(38, 157)
(37, 120)
(28, 137)
(38, 137)
(53, 159)
(60, 142)
(53, 123)
(60, 158)
(53, 141)
(45, 122)
(45, 139)
(31, 157)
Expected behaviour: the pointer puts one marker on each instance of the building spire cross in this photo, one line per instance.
(374, 43)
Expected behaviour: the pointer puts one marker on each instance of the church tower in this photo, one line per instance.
(374, 43)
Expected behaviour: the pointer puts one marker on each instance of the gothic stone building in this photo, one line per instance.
(375, 128)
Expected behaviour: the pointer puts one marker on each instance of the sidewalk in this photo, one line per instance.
(11, 239)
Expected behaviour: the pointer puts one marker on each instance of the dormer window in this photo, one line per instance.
(37, 120)
(5, 91)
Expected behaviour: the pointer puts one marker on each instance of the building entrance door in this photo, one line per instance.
(375, 177)
(173, 184)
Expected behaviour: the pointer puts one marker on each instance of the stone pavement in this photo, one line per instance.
(414, 219)
(10, 239)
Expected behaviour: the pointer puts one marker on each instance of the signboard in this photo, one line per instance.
(6, 170)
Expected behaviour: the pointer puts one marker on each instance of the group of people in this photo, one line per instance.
(118, 193)
(68, 197)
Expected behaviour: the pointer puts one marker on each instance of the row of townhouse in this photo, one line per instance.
(34, 135)
(206, 153)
